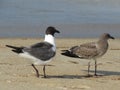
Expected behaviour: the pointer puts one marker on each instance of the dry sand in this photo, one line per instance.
(63, 73)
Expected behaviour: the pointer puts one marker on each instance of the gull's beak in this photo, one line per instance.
(112, 37)
(57, 31)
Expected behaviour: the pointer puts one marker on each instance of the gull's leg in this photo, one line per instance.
(88, 68)
(95, 67)
(37, 72)
(44, 71)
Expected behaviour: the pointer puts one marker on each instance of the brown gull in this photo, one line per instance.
(92, 50)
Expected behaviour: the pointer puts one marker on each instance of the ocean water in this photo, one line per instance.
(74, 18)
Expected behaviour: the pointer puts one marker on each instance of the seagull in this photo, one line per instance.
(40, 53)
(92, 50)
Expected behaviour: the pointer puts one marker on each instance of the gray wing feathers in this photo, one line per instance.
(41, 51)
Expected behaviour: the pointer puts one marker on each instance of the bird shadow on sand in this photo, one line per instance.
(99, 72)
(64, 76)
(105, 73)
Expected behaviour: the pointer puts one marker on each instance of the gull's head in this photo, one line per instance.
(107, 36)
(51, 30)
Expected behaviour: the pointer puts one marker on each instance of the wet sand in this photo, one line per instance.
(63, 73)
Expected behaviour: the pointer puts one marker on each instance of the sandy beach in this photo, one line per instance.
(63, 73)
